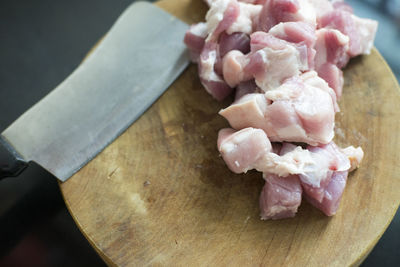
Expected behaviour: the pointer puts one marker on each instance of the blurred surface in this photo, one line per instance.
(41, 43)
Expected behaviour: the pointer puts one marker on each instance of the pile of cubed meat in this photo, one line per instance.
(282, 59)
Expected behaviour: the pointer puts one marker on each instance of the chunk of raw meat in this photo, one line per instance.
(332, 47)
(221, 15)
(247, 19)
(231, 16)
(332, 194)
(211, 81)
(360, 31)
(241, 150)
(235, 41)
(331, 55)
(301, 110)
(328, 160)
(251, 149)
(269, 55)
(300, 33)
(280, 197)
(195, 38)
(275, 11)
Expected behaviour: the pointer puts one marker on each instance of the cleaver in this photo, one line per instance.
(141, 55)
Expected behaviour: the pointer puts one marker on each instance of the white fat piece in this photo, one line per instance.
(199, 29)
(275, 61)
(215, 15)
(244, 22)
(207, 71)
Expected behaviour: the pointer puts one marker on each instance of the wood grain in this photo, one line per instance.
(161, 195)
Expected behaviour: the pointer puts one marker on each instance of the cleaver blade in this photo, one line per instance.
(141, 55)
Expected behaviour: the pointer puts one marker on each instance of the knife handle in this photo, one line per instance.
(11, 163)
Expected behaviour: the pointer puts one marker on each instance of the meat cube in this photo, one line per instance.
(300, 33)
(243, 149)
(251, 149)
(269, 55)
(221, 15)
(332, 194)
(301, 110)
(247, 19)
(280, 197)
(275, 11)
(360, 31)
(195, 38)
(212, 81)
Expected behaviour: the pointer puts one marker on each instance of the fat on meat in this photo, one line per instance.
(331, 55)
(301, 34)
(268, 56)
(194, 39)
(241, 150)
(210, 79)
(300, 110)
(332, 194)
(275, 11)
(250, 148)
(360, 31)
(231, 16)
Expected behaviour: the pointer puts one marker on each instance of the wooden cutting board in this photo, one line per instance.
(161, 195)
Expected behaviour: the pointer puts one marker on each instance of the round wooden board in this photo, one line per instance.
(161, 195)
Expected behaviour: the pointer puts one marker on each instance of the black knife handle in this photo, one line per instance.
(11, 163)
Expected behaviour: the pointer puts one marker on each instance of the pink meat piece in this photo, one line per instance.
(241, 150)
(212, 81)
(301, 110)
(295, 32)
(331, 55)
(250, 148)
(360, 31)
(332, 194)
(221, 16)
(231, 16)
(280, 197)
(233, 65)
(247, 19)
(331, 46)
(268, 56)
(333, 76)
(300, 33)
(195, 39)
(244, 88)
(328, 160)
(275, 11)
(235, 41)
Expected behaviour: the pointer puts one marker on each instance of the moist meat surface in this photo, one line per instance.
(284, 60)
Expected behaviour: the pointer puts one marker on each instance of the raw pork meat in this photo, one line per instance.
(300, 110)
(280, 198)
(283, 59)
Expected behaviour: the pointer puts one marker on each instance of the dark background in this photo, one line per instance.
(41, 43)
